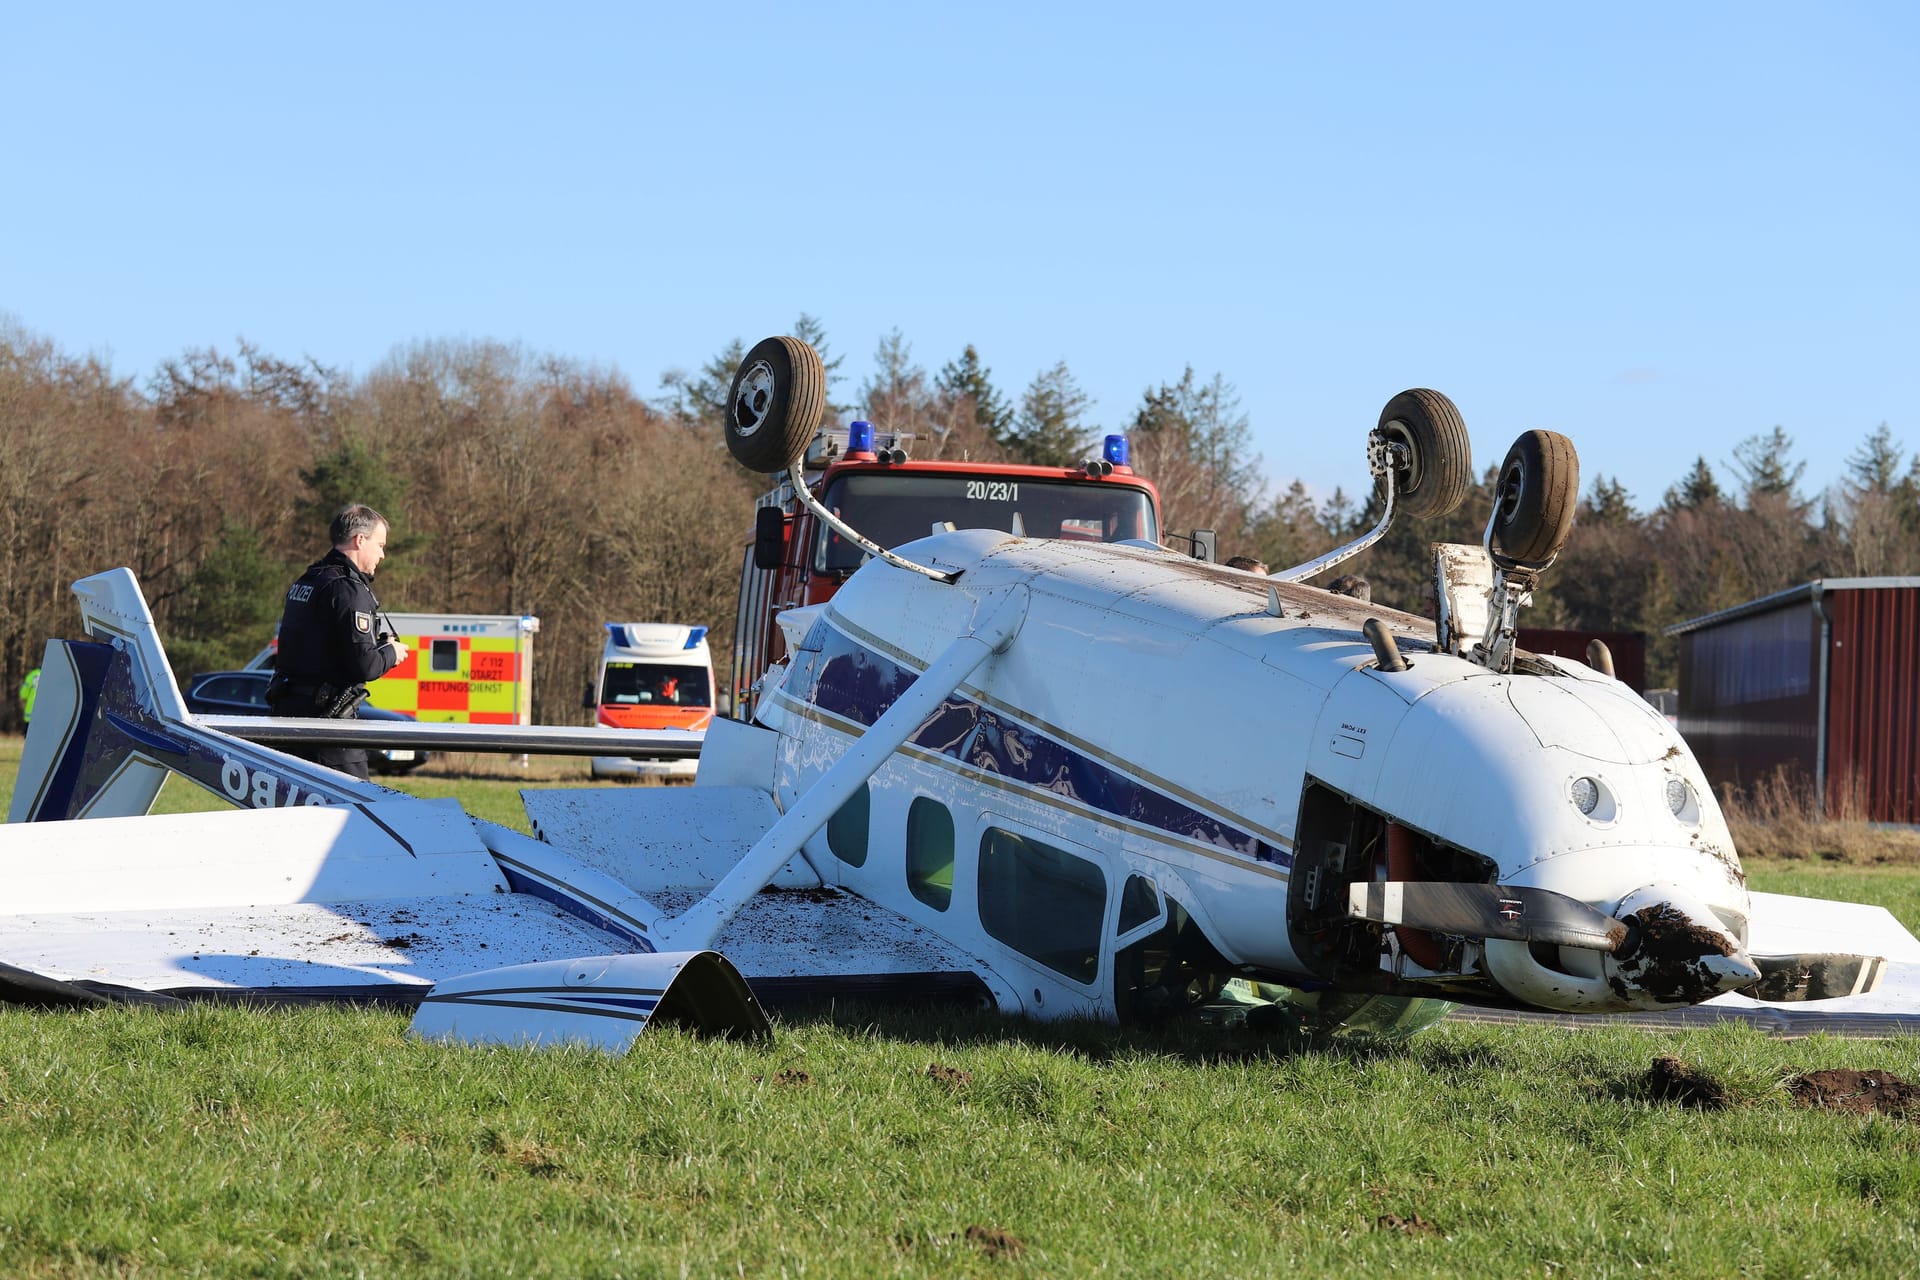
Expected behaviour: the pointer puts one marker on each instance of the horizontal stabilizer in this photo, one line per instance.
(1814, 976)
(600, 1001)
(1486, 911)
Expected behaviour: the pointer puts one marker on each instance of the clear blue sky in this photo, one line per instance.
(1657, 228)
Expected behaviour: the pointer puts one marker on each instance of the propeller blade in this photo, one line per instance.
(1814, 975)
(1486, 911)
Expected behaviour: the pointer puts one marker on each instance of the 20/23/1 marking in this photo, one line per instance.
(992, 491)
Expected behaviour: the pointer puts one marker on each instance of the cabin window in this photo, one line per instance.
(1044, 902)
(1139, 903)
(446, 656)
(847, 828)
(930, 852)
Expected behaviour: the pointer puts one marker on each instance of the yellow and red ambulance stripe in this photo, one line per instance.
(489, 687)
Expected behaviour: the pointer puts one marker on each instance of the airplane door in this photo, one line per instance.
(1046, 906)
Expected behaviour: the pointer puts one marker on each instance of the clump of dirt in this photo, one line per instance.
(1671, 1080)
(1665, 952)
(787, 1076)
(996, 1243)
(405, 940)
(952, 1077)
(1667, 933)
(1411, 1225)
(817, 893)
(1858, 1093)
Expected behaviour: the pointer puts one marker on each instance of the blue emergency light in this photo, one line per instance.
(694, 636)
(859, 437)
(1116, 450)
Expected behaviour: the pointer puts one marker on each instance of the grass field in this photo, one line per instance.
(324, 1142)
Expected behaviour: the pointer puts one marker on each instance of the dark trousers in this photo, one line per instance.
(351, 761)
(348, 760)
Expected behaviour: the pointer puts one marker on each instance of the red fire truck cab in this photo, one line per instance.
(866, 478)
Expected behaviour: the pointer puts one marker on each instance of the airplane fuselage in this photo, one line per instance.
(1161, 766)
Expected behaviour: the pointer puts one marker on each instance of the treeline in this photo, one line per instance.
(528, 483)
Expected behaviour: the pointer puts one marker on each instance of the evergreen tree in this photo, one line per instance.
(1699, 491)
(355, 471)
(1609, 503)
(1872, 510)
(810, 331)
(698, 401)
(1875, 466)
(231, 603)
(1764, 468)
(967, 384)
(1288, 532)
(895, 398)
(1051, 430)
(1192, 438)
(1337, 514)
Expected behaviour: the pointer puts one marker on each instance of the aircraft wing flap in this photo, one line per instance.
(658, 839)
(235, 857)
(404, 941)
(825, 933)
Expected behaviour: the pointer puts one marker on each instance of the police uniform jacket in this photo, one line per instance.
(329, 632)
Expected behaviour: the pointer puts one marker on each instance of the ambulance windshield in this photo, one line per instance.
(894, 508)
(630, 684)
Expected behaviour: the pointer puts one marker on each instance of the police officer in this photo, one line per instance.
(331, 640)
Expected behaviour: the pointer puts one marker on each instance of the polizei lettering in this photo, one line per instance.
(261, 790)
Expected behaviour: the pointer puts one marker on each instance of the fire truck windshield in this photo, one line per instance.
(895, 507)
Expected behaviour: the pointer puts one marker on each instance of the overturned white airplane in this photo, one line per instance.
(1067, 777)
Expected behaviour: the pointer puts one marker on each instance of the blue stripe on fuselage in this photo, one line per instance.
(843, 677)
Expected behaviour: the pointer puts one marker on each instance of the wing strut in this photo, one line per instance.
(701, 923)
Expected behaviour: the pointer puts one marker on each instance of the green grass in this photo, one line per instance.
(324, 1142)
(486, 788)
(1895, 887)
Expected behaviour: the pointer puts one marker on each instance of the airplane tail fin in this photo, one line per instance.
(98, 745)
(110, 724)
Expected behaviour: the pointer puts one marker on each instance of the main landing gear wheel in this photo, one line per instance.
(1439, 467)
(1534, 498)
(778, 396)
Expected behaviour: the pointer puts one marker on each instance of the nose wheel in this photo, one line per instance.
(778, 394)
(1534, 500)
(1533, 503)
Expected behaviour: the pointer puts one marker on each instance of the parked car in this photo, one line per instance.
(244, 693)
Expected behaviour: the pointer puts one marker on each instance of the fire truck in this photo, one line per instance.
(866, 478)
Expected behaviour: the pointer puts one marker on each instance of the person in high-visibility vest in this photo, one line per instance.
(28, 688)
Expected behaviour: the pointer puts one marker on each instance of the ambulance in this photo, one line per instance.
(461, 668)
(653, 675)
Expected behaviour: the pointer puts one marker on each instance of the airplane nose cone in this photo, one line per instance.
(1676, 951)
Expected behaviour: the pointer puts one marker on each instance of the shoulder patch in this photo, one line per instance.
(362, 622)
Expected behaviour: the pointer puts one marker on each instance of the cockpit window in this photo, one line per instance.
(898, 508)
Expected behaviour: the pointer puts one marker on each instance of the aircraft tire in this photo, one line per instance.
(778, 395)
(1535, 496)
(1440, 463)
